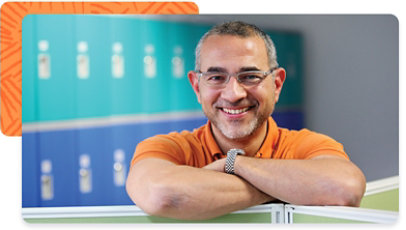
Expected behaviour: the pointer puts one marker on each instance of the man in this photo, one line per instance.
(240, 158)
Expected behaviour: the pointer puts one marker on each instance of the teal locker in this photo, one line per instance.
(92, 66)
(155, 79)
(29, 69)
(181, 61)
(126, 66)
(289, 54)
(56, 88)
(292, 60)
(182, 40)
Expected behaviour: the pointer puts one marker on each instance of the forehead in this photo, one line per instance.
(232, 52)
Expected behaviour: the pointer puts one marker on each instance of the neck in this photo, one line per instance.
(250, 144)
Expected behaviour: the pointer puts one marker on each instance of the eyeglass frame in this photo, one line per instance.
(236, 75)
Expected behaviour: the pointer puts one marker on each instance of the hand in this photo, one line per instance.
(217, 165)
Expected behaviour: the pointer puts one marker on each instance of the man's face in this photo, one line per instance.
(235, 110)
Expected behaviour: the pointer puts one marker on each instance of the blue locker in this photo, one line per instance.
(189, 123)
(289, 119)
(125, 138)
(30, 171)
(94, 187)
(57, 172)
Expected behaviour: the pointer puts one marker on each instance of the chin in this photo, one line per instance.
(237, 131)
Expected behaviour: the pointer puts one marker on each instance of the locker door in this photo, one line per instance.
(155, 91)
(92, 66)
(29, 67)
(93, 175)
(126, 66)
(30, 178)
(56, 88)
(125, 139)
(57, 177)
(290, 58)
(183, 38)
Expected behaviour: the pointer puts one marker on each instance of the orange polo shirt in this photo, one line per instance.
(199, 148)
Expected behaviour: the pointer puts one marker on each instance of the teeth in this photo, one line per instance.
(235, 111)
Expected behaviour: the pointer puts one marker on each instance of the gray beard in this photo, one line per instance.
(238, 133)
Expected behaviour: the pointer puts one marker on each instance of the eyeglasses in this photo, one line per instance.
(246, 78)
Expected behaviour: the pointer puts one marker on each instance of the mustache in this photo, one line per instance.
(241, 103)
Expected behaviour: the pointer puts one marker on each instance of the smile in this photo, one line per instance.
(235, 111)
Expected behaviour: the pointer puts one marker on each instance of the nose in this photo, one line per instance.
(233, 91)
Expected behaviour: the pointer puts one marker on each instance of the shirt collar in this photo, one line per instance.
(271, 140)
(211, 143)
(266, 149)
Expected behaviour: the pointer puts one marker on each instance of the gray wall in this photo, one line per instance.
(351, 81)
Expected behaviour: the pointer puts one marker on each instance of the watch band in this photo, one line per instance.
(231, 155)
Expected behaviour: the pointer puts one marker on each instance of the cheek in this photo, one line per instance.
(264, 96)
(207, 97)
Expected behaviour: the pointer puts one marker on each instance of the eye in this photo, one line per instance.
(216, 78)
(250, 77)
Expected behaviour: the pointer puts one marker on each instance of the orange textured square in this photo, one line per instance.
(12, 14)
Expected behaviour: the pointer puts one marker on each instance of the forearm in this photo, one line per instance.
(185, 192)
(322, 181)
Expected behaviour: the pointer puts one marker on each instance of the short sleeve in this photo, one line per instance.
(161, 146)
(311, 144)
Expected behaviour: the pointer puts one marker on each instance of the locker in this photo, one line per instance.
(91, 170)
(57, 172)
(155, 79)
(29, 65)
(289, 54)
(30, 180)
(182, 40)
(92, 66)
(289, 119)
(125, 50)
(124, 140)
(54, 51)
(189, 123)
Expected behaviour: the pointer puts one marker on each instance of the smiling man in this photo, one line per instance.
(240, 158)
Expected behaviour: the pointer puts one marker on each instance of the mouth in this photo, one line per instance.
(236, 111)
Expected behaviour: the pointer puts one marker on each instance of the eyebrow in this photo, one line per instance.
(224, 70)
(217, 69)
(250, 68)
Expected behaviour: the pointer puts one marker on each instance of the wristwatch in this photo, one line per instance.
(231, 155)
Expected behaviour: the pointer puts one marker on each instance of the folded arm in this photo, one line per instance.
(322, 180)
(162, 188)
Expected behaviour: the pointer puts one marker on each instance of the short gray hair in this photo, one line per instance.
(239, 29)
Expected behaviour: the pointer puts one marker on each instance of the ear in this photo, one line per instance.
(194, 81)
(280, 76)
